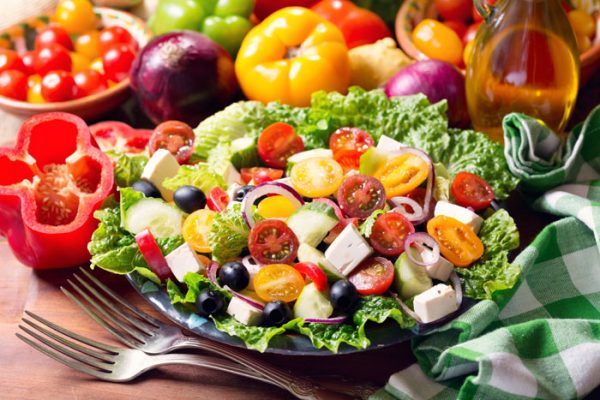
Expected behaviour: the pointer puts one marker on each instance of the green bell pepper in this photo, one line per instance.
(224, 21)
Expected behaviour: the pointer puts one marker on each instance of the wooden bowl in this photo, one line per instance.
(88, 107)
(414, 11)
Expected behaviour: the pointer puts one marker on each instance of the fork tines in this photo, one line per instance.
(69, 348)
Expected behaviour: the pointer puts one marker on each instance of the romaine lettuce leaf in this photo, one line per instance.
(255, 337)
(196, 283)
(199, 175)
(228, 234)
(128, 197)
(332, 336)
(493, 271)
(128, 169)
(218, 158)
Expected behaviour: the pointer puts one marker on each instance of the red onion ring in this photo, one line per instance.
(212, 270)
(455, 280)
(331, 321)
(211, 273)
(265, 189)
(423, 242)
(336, 208)
(250, 263)
(400, 201)
(245, 299)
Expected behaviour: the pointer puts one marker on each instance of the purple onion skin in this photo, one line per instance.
(183, 76)
(437, 80)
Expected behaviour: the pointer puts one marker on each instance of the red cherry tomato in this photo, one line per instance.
(470, 190)
(314, 273)
(360, 195)
(89, 82)
(13, 84)
(272, 242)
(52, 57)
(373, 276)
(454, 9)
(389, 232)
(28, 59)
(217, 199)
(471, 32)
(112, 35)
(277, 143)
(260, 175)
(350, 139)
(348, 159)
(53, 34)
(58, 86)
(9, 59)
(457, 26)
(117, 61)
(175, 136)
(120, 137)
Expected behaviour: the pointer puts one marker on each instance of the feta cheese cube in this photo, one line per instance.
(439, 270)
(244, 312)
(348, 250)
(232, 175)
(161, 165)
(387, 144)
(252, 271)
(459, 213)
(183, 260)
(435, 303)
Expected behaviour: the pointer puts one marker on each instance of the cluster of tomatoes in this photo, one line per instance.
(71, 58)
(584, 27)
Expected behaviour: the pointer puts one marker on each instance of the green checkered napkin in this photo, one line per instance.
(540, 339)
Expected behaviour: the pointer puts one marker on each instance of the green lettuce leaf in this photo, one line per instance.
(255, 337)
(218, 158)
(493, 271)
(128, 198)
(441, 185)
(175, 293)
(128, 169)
(196, 283)
(332, 336)
(228, 234)
(199, 175)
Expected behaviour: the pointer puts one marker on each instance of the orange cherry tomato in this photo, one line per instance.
(437, 41)
(458, 243)
(88, 45)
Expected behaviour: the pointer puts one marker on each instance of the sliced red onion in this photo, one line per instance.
(264, 189)
(455, 280)
(245, 299)
(336, 208)
(250, 263)
(400, 201)
(332, 321)
(427, 247)
(406, 308)
(211, 273)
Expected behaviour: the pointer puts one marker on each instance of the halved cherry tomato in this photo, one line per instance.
(58, 86)
(317, 177)
(53, 34)
(13, 84)
(217, 199)
(314, 273)
(152, 254)
(350, 139)
(271, 241)
(114, 35)
(9, 59)
(402, 174)
(360, 195)
(175, 136)
(277, 143)
(458, 243)
(389, 232)
(348, 159)
(278, 282)
(470, 190)
(90, 82)
(195, 229)
(454, 9)
(260, 174)
(373, 276)
(275, 207)
(118, 136)
(117, 61)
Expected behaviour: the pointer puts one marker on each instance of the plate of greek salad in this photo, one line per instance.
(352, 224)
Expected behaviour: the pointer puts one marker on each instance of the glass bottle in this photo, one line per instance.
(524, 59)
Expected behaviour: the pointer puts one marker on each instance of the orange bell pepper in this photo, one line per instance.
(290, 55)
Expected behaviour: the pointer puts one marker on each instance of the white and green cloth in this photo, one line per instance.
(540, 339)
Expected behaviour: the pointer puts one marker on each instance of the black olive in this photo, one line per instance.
(241, 192)
(343, 296)
(209, 302)
(147, 188)
(189, 198)
(276, 313)
(234, 275)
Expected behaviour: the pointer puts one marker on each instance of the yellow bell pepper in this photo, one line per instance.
(291, 54)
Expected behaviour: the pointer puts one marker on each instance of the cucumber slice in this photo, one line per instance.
(312, 304)
(372, 160)
(244, 153)
(410, 279)
(154, 214)
(307, 253)
(312, 222)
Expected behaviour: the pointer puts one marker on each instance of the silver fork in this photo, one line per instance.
(141, 331)
(111, 363)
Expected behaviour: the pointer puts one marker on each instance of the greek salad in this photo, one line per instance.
(272, 234)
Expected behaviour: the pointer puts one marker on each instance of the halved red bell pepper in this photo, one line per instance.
(51, 183)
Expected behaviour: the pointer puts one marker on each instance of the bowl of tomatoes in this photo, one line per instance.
(454, 23)
(75, 59)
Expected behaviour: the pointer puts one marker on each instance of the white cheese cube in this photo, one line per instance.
(161, 165)
(435, 303)
(232, 176)
(439, 270)
(232, 189)
(244, 312)
(183, 260)
(348, 250)
(387, 144)
(252, 271)
(459, 213)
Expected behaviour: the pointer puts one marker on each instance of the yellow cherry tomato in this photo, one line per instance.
(76, 16)
(278, 282)
(88, 44)
(79, 62)
(276, 207)
(196, 228)
(317, 177)
(582, 23)
(468, 50)
(458, 243)
(402, 174)
(97, 65)
(291, 54)
(437, 41)
(34, 89)
(583, 42)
